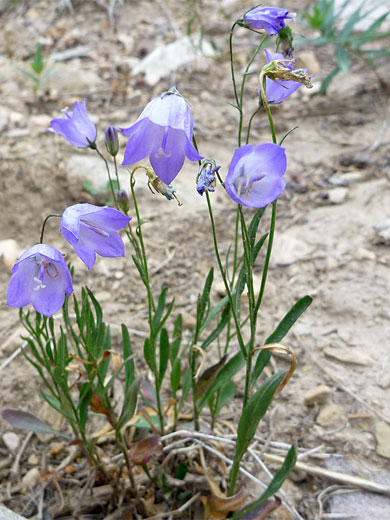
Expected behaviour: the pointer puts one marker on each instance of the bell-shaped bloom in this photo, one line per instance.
(278, 91)
(270, 19)
(92, 229)
(76, 126)
(41, 277)
(164, 132)
(255, 176)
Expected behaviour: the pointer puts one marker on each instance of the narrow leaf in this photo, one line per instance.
(150, 355)
(129, 404)
(164, 355)
(127, 356)
(26, 421)
(176, 375)
(275, 484)
(160, 309)
(278, 334)
(224, 375)
(254, 411)
(207, 378)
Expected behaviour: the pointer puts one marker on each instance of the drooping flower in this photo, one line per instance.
(91, 229)
(270, 19)
(206, 176)
(164, 132)
(255, 176)
(279, 90)
(76, 126)
(41, 277)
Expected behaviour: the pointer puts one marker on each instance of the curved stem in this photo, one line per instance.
(243, 86)
(232, 63)
(44, 225)
(116, 172)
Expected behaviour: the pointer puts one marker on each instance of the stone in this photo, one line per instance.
(307, 60)
(382, 229)
(317, 395)
(165, 59)
(189, 320)
(9, 252)
(329, 415)
(12, 441)
(5, 513)
(33, 459)
(382, 435)
(354, 357)
(287, 249)
(338, 195)
(365, 254)
(346, 179)
(30, 479)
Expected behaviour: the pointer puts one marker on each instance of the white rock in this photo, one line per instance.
(5, 513)
(353, 357)
(338, 195)
(318, 394)
(288, 249)
(30, 479)
(9, 252)
(168, 58)
(12, 441)
(329, 415)
(382, 229)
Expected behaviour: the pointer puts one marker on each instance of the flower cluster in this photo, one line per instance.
(164, 133)
(41, 276)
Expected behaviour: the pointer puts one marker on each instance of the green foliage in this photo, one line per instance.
(346, 39)
(40, 69)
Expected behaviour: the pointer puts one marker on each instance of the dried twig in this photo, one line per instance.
(343, 478)
(15, 465)
(181, 509)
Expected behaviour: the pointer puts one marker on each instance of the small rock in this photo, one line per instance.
(382, 434)
(30, 479)
(9, 252)
(189, 321)
(354, 357)
(346, 179)
(119, 275)
(3, 120)
(5, 513)
(220, 288)
(338, 195)
(33, 459)
(12, 441)
(365, 254)
(318, 394)
(56, 449)
(329, 414)
(288, 249)
(382, 229)
(307, 60)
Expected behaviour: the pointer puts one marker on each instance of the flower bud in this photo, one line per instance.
(112, 141)
(123, 200)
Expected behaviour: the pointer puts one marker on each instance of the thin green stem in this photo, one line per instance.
(267, 107)
(250, 124)
(233, 477)
(232, 63)
(44, 225)
(241, 101)
(109, 175)
(267, 257)
(116, 172)
(224, 278)
(252, 304)
(143, 250)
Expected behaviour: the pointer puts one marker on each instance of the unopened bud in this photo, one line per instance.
(123, 200)
(112, 141)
